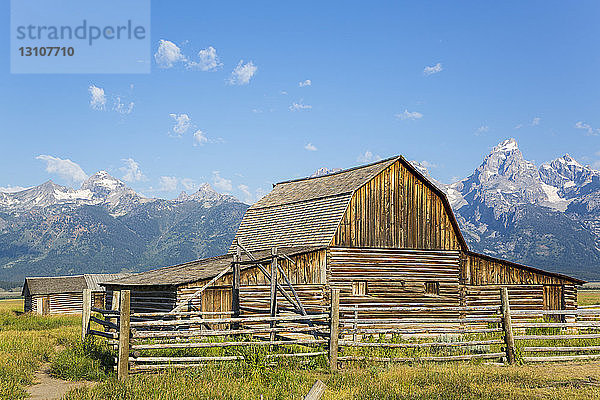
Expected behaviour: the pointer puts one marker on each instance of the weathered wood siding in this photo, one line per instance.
(483, 271)
(307, 275)
(395, 277)
(396, 209)
(483, 278)
(146, 298)
(57, 303)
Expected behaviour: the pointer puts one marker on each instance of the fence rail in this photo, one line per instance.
(369, 332)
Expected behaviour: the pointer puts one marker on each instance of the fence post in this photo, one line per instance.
(273, 300)
(507, 326)
(123, 364)
(86, 312)
(335, 329)
(235, 289)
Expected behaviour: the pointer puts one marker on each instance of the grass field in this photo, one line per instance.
(26, 342)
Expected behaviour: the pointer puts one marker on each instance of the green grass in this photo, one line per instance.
(423, 381)
(26, 342)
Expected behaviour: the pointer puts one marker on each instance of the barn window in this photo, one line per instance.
(359, 288)
(432, 288)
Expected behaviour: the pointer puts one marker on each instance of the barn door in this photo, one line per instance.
(553, 300)
(45, 305)
(217, 300)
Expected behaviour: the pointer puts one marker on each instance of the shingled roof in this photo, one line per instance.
(304, 212)
(197, 270)
(66, 284)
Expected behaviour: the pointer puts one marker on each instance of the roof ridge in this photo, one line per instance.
(303, 201)
(338, 172)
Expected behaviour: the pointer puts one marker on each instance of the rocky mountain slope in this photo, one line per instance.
(105, 226)
(547, 217)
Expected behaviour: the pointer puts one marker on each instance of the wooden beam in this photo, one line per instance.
(316, 391)
(273, 292)
(507, 326)
(123, 361)
(334, 331)
(86, 312)
(235, 287)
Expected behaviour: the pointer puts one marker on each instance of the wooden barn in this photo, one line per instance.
(381, 233)
(63, 294)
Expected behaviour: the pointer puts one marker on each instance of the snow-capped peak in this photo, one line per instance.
(205, 194)
(507, 146)
(104, 181)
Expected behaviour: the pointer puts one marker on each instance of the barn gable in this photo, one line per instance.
(399, 208)
(303, 212)
(376, 205)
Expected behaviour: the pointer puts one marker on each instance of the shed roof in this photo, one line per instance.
(197, 270)
(66, 284)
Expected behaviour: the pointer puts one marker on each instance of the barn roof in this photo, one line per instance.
(197, 270)
(304, 212)
(66, 284)
(307, 211)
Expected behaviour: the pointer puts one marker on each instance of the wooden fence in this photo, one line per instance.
(345, 334)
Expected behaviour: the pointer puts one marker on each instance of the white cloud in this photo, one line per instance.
(588, 128)
(122, 108)
(248, 198)
(535, 121)
(482, 129)
(182, 123)
(64, 168)
(411, 115)
(368, 157)
(433, 69)
(305, 83)
(189, 184)
(131, 171)
(167, 183)
(299, 106)
(428, 164)
(97, 97)
(283, 92)
(221, 183)
(199, 138)
(519, 126)
(242, 74)
(209, 60)
(168, 54)
(11, 189)
(310, 147)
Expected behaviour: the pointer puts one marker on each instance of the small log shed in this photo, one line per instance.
(380, 233)
(63, 294)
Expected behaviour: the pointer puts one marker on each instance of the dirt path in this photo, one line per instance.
(46, 387)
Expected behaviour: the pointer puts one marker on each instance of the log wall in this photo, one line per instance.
(480, 270)
(397, 210)
(396, 277)
(307, 275)
(146, 298)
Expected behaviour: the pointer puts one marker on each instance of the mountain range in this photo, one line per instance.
(105, 226)
(546, 217)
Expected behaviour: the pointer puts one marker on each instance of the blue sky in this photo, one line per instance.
(441, 82)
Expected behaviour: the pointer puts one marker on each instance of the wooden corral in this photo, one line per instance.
(63, 294)
(382, 234)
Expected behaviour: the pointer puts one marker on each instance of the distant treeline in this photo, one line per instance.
(6, 285)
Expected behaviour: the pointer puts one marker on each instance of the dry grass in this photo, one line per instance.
(588, 297)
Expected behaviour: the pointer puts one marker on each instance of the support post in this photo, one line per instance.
(509, 339)
(235, 290)
(334, 330)
(273, 300)
(86, 312)
(123, 362)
